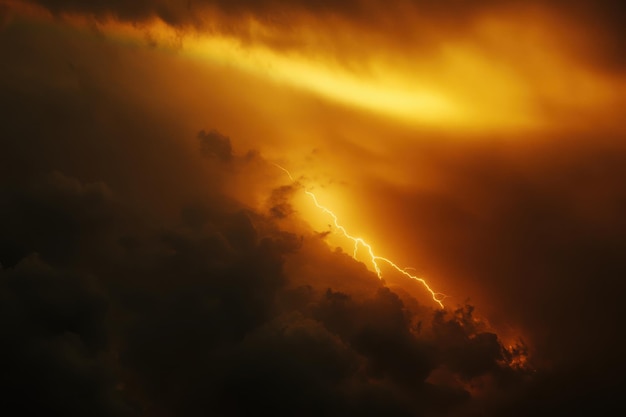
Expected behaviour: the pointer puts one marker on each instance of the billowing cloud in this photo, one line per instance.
(200, 316)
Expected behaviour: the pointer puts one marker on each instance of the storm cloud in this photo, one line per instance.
(154, 265)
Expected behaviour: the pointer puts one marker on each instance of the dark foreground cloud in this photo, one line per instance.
(197, 316)
(133, 283)
(54, 344)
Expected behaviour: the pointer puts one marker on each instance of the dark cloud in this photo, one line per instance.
(280, 201)
(56, 216)
(214, 144)
(55, 345)
(189, 320)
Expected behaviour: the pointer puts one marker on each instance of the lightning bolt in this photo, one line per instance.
(285, 171)
(359, 242)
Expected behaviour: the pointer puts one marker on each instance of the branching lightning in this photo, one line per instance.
(374, 259)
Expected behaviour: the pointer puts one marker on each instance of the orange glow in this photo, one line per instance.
(360, 242)
(406, 101)
(493, 77)
(446, 90)
(442, 156)
(437, 297)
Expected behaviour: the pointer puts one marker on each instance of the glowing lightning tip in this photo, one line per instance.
(285, 171)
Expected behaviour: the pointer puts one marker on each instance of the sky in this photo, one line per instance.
(182, 184)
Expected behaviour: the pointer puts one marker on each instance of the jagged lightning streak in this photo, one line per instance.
(359, 242)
